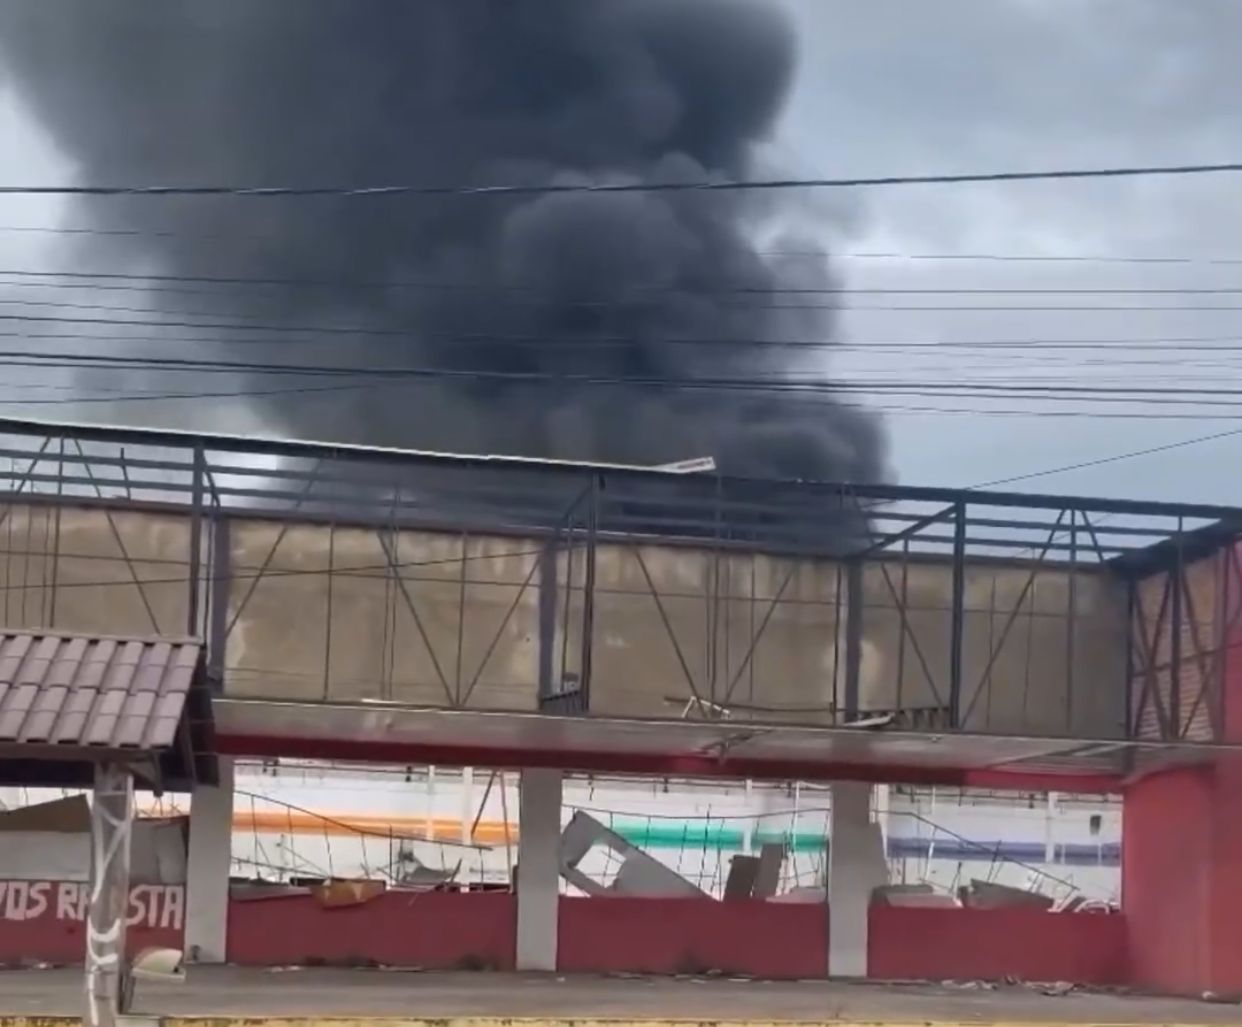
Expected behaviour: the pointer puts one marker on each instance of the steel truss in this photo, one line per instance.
(1012, 563)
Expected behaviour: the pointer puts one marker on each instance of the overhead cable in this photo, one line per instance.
(704, 185)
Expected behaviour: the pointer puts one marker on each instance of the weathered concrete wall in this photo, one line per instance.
(319, 612)
(1200, 664)
(1021, 670)
(115, 571)
(759, 634)
(455, 623)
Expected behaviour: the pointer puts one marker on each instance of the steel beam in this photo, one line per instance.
(957, 615)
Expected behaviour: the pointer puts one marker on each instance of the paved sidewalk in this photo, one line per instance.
(230, 994)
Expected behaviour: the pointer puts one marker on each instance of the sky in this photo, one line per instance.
(908, 87)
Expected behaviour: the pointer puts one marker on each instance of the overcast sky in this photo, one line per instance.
(916, 87)
(900, 86)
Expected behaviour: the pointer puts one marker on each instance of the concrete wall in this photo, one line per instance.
(79, 569)
(315, 612)
(1021, 672)
(328, 619)
(157, 854)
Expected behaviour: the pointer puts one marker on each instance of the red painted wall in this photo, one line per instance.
(436, 930)
(1182, 850)
(1166, 878)
(990, 944)
(44, 921)
(61, 942)
(763, 939)
(664, 936)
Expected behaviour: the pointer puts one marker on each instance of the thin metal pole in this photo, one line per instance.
(1220, 642)
(558, 675)
(461, 622)
(901, 635)
(1070, 614)
(221, 585)
(327, 615)
(836, 648)
(112, 816)
(1128, 720)
(1175, 640)
(711, 596)
(8, 552)
(196, 539)
(853, 634)
(588, 594)
(60, 494)
(958, 613)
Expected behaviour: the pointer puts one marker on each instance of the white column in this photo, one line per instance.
(207, 870)
(467, 803)
(538, 868)
(855, 867)
(112, 821)
(429, 821)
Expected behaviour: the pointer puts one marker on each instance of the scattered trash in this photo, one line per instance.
(1055, 988)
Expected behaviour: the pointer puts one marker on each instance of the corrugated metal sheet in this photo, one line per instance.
(106, 693)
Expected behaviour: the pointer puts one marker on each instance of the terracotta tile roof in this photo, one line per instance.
(78, 691)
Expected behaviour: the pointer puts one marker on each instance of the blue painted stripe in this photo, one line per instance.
(721, 838)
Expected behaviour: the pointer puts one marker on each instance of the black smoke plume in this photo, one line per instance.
(671, 287)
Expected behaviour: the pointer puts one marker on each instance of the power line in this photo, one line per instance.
(819, 255)
(823, 254)
(639, 290)
(1117, 458)
(787, 383)
(361, 330)
(160, 396)
(1182, 343)
(1130, 171)
(243, 320)
(1034, 258)
(872, 407)
(886, 409)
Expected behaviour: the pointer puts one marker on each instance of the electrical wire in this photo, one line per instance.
(882, 255)
(1183, 344)
(718, 185)
(1116, 458)
(635, 291)
(788, 382)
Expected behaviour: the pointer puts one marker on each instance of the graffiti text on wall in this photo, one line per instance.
(150, 905)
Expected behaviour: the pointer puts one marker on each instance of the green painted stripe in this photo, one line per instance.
(678, 834)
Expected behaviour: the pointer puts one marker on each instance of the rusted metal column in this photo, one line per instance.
(112, 818)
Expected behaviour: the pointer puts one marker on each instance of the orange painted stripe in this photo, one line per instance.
(447, 829)
(288, 821)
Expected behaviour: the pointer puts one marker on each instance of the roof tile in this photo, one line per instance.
(78, 691)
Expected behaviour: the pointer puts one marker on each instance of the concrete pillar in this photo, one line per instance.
(112, 821)
(855, 866)
(538, 868)
(207, 870)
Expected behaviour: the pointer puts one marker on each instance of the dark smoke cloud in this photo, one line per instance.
(359, 92)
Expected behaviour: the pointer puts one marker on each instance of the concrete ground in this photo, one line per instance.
(329, 993)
